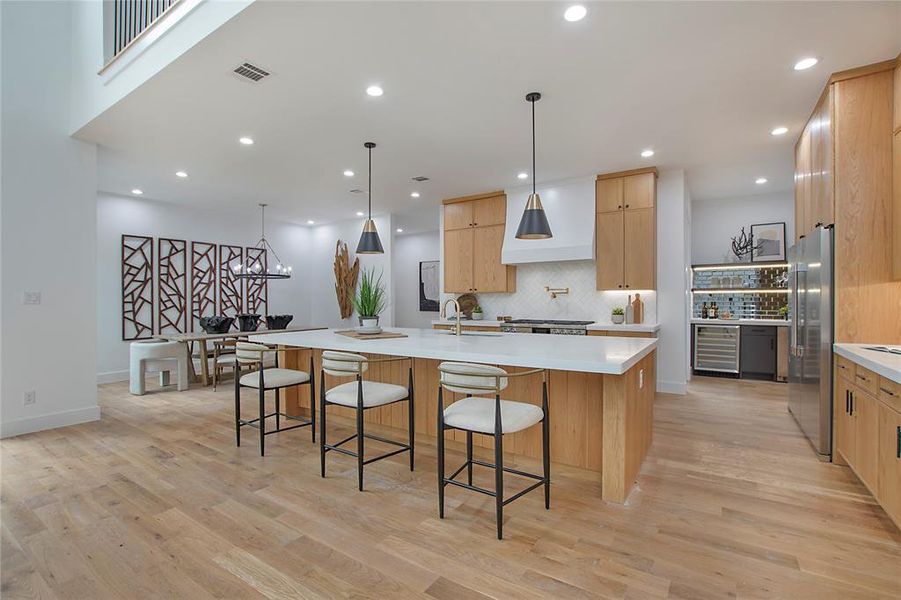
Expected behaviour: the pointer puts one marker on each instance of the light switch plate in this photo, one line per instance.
(30, 397)
(31, 298)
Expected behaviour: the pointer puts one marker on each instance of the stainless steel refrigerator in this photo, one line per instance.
(810, 295)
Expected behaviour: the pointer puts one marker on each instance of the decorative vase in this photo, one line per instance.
(369, 322)
(248, 321)
(617, 319)
(217, 324)
(278, 321)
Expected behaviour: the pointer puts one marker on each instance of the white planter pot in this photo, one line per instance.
(617, 319)
(477, 316)
(369, 321)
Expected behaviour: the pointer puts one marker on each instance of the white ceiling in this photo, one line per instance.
(700, 83)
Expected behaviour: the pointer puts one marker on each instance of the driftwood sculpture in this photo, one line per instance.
(345, 279)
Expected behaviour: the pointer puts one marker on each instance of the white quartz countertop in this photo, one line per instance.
(881, 363)
(644, 327)
(770, 322)
(588, 354)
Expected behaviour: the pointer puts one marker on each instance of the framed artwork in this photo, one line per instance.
(428, 285)
(769, 242)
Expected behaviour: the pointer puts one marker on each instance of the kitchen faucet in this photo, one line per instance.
(458, 328)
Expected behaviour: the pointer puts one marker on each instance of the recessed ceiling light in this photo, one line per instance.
(414, 194)
(348, 173)
(523, 175)
(760, 180)
(805, 63)
(399, 230)
(779, 131)
(374, 90)
(647, 153)
(246, 141)
(137, 192)
(576, 12)
(311, 222)
(360, 213)
(181, 174)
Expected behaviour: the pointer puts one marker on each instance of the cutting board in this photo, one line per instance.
(385, 335)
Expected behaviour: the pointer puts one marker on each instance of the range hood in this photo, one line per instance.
(570, 209)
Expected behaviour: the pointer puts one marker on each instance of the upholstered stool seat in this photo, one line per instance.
(161, 354)
(375, 393)
(477, 414)
(361, 395)
(275, 378)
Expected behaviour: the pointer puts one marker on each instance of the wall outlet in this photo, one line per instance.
(30, 397)
(640, 378)
(31, 298)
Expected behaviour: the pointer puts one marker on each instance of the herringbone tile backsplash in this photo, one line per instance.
(583, 302)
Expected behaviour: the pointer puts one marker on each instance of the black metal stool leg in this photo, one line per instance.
(312, 400)
(262, 421)
(321, 423)
(410, 415)
(469, 457)
(359, 433)
(278, 409)
(498, 468)
(237, 410)
(440, 454)
(546, 448)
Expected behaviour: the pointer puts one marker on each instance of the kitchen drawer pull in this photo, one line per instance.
(847, 401)
(887, 391)
(898, 443)
(852, 403)
(861, 377)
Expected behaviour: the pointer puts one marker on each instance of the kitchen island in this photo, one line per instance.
(601, 390)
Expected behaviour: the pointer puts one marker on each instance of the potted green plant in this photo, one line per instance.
(783, 312)
(618, 315)
(370, 299)
(477, 313)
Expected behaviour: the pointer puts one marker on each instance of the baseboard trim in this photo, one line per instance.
(50, 421)
(672, 387)
(112, 377)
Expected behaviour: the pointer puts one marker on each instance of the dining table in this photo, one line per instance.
(202, 338)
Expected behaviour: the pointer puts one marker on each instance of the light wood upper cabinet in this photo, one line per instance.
(609, 194)
(488, 272)
(640, 260)
(458, 215)
(803, 201)
(896, 175)
(889, 461)
(609, 250)
(489, 211)
(626, 230)
(458, 264)
(640, 191)
(473, 240)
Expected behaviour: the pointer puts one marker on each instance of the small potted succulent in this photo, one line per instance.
(477, 313)
(618, 315)
(370, 299)
(783, 312)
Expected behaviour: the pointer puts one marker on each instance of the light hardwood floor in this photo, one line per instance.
(154, 500)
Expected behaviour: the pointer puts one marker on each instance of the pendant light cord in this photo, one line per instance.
(533, 146)
(370, 184)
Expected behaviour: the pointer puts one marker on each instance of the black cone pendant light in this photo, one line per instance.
(533, 225)
(369, 240)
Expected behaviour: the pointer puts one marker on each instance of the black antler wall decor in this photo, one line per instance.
(744, 244)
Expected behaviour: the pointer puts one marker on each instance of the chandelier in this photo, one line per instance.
(258, 266)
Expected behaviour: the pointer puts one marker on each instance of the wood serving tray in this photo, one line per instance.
(351, 333)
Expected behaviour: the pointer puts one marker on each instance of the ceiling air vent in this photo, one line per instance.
(250, 72)
(420, 178)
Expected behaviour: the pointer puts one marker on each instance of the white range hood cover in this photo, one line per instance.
(570, 210)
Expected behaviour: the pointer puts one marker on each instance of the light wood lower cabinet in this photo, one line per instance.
(867, 434)
(889, 474)
(635, 334)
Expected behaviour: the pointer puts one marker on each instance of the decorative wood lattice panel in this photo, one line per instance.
(257, 289)
(172, 283)
(137, 287)
(203, 282)
(231, 289)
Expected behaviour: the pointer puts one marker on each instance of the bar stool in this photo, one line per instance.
(361, 395)
(492, 416)
(264, 379)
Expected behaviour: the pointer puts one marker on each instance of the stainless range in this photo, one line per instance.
(546, 326)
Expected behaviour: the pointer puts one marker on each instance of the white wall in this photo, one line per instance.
(117, 215)
(47, 227)
(323, 302)
(409, 251)
(673, 217)
(716, 222)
